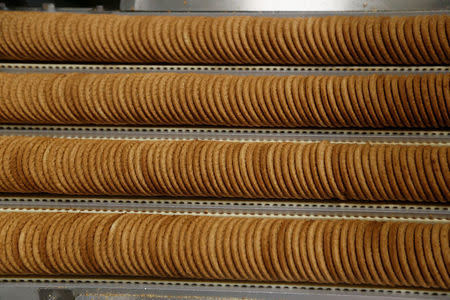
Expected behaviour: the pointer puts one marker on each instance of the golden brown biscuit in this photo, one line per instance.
(369, 252)
(345, 255)
(419, 247)
(360, 246)
(250, 251)
(322, 253)
(412, 256)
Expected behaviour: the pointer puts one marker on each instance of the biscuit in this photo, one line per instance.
(25, 244)
(367, 172)
(417, 34)
(365, 104)
(282, 248)
(281, 36)
(444, 242)
(74, 251)
(204, 269)
(258, 248)
(197, 35)
(369, 252)
(402, 255)
(408, 175)
(434, 83)
(250, 243)
(6, 222)
(375, 40)
(419, 101)
(211, 39)
(359, 168)
(219, 40)
(115, 253)
(118, 239)
(279, 100)
(143, 243)
(400, 31)
(100, 234)
(174, 29)
(431, 178)
(412, 35)
(393, 252)
(360, 247)
(347, 93)
(126, 43)
(312, 39)
(426, 102)
(392, 173)
(183, 28)
(235, 249)
(398, 94)
(429, 256)
(420, 255)
(265, 247)
(400, 174)
(216, 29)
(290, 251)
(226, 39)
(425, 35)
(412, 256)
(212, 170)
(295, 28)
(437, 253)
(227, 269)
(243, 245)
(39, 245)
(323, 252)
(163, 253)
(352, 252)
(269, 42)
(52, 244)
(176, 244)
(154, 236)
(386, 250)
(318, 113)
(333, 233)
(283, 170)
(312, 244)
(442, 30)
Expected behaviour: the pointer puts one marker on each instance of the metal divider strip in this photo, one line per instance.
(218, 69)
(231, 134)
(86, 283)
(224, 206)
(268, 214)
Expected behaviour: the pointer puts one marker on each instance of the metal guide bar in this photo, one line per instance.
(217, 69)
(373, 215)
(280, 5)
(123, 287)
(261, 8)
(224, 206)
(233, 134)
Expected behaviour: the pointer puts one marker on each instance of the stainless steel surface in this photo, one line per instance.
(232, 134)
(244, 207)
(107, 288)
(214, 69)
(281, 5)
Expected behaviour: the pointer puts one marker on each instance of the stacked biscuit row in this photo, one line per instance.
(375, 101)
(335, 40)
(226, 248)
(310, 170)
